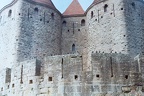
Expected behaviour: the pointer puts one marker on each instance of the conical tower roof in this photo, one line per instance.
(74, 9)
(46, 2)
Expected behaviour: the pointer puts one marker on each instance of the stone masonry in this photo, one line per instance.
(98, 52)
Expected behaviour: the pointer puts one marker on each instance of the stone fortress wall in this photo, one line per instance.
(85, 55)
(63, 75)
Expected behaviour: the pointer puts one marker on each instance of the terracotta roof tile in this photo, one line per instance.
(46, 2)
(74, 9)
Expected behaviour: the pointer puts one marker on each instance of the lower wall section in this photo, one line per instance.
(63, 75)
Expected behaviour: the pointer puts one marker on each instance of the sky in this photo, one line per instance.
(61, 5)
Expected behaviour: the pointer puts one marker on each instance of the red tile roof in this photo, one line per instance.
(46, 2)
(74, 9)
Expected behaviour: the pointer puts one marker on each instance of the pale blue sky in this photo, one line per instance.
(60, 4)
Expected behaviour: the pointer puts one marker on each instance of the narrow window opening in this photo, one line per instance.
(111, 62)
(78, 29)
(9, 13)
(64, 23)
(97, 75)
(126, 76)
(62, 67)
(36, 9)
(50, 79)
(82, 22)
(105, 7)
(76, 77)
(68, 30)
(8, 86)
(52, 16)
(92, 14)
(133, 5)
(73, 48)
(30, 81)
(21, 81)
(13, 85)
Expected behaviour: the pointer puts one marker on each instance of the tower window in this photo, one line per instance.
(92, 14)
(52, 15)
(36, 9)
(9, 13)
(105, 7)
(50, 79)
(76, 77)
(126, 76)
(97, 76)
(82, 22)
(30, 81)
(64, 23)
(73, 48)
(133, 5)
(12, 85)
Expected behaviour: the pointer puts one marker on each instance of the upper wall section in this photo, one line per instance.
(47, 3)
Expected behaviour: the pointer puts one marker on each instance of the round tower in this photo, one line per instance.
(115, 27)
(31, 29)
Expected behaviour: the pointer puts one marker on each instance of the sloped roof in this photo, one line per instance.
(46, 2)
(74, 9)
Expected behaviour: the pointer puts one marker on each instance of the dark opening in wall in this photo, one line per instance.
(76, 77)
(82, 22)
(97, 75)
(50, 79)
(36, 9)
(92, 14)
(121, 8)
(52, 16)
(73, 48)
(13, 85)
(68, 30)
(2, 89)
(64, 23)
(8, 86)
(9, 13)
(126, 76)
(30, 81)
(105, 7)
(62, 66)
(133, 5)
(78, 29)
